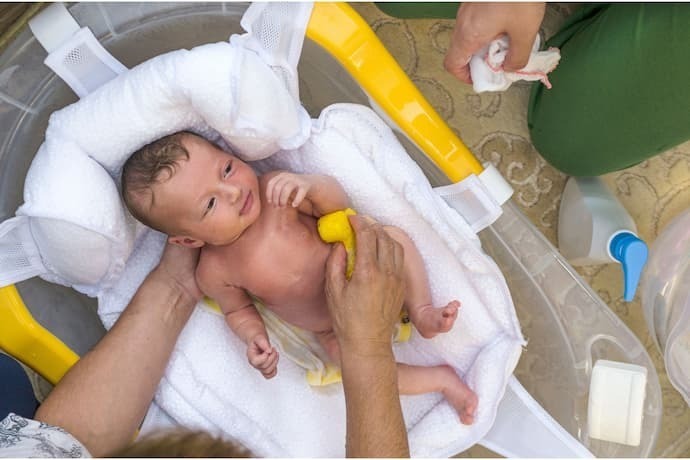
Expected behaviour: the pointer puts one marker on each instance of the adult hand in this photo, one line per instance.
(366, 308)
(477, 24)
(102, 400)
(364, 311)
(177, 267)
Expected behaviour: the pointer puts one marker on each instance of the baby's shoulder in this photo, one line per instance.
(214, 267)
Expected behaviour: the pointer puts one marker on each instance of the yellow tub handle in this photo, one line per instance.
(348, 38)
(24, 338)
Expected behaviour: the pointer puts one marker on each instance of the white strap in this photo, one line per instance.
(523, 429)
(472, 201)
(499, 188)
(74, 54)
(53, 26)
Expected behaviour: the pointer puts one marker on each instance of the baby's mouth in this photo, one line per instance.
(247, 204)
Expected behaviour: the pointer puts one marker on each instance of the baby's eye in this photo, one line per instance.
(227, 169)
(211, 204)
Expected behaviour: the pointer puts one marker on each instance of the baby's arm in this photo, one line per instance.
(244, 320)
(312, 194)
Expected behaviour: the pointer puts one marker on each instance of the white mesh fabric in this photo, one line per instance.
(83, 63)
(19, 257)
(82, 269)
(276, 35)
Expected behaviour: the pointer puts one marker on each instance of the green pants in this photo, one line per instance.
(621, 92)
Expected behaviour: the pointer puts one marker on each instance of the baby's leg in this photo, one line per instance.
(428, 319)
(415, 380)
(329, 343)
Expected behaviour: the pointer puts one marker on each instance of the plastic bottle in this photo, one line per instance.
(666, 299)
(594, 228)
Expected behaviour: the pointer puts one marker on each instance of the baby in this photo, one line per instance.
(258, 237)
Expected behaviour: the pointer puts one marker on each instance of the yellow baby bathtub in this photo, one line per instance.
(568, 327)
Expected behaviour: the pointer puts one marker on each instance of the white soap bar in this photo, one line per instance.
(616, 402)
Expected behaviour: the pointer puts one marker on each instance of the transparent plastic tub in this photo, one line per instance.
(666, 299)
(568, 327)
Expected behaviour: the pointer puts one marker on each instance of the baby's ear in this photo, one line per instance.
(185, 241)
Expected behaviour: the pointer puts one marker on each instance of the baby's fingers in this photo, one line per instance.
(273, 187)
(259, 353)
(270, 367)
(285, 191)
(281, 190)
(299, 196)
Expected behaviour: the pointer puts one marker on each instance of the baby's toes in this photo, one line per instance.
(450, 311)
(469, 411)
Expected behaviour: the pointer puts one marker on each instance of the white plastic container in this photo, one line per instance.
(594, 228)
(666, 300)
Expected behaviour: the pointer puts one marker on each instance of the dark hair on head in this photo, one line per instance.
(147, 166)
(182, 443)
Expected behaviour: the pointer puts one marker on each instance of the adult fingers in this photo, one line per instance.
(399, 257)
(335, 268)
(365, 242)
(386, 248)
(519, 51)
(457, 60)
(467, 38)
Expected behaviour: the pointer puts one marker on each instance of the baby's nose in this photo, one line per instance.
(232, 193)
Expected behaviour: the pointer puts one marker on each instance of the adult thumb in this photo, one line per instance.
(519, 51)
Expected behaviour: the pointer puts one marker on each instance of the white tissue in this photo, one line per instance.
(486, 66)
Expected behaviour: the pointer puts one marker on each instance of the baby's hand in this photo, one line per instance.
(263, 356)
(281, 187)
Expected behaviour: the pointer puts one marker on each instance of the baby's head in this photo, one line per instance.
(192, 190)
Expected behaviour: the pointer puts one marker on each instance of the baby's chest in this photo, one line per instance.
(288, 260)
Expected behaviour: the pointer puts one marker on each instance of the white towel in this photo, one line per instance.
(209, 384)
(486, 66)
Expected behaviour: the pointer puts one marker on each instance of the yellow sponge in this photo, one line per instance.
(335, 227)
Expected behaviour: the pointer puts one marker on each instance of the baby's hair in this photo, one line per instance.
(151, 164)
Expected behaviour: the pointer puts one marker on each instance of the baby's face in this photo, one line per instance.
(212, 197)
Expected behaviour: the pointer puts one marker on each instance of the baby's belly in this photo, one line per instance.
(301, 302)
(293, 283)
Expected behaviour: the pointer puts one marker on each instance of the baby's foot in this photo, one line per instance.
(463, 399)
(430, 321)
